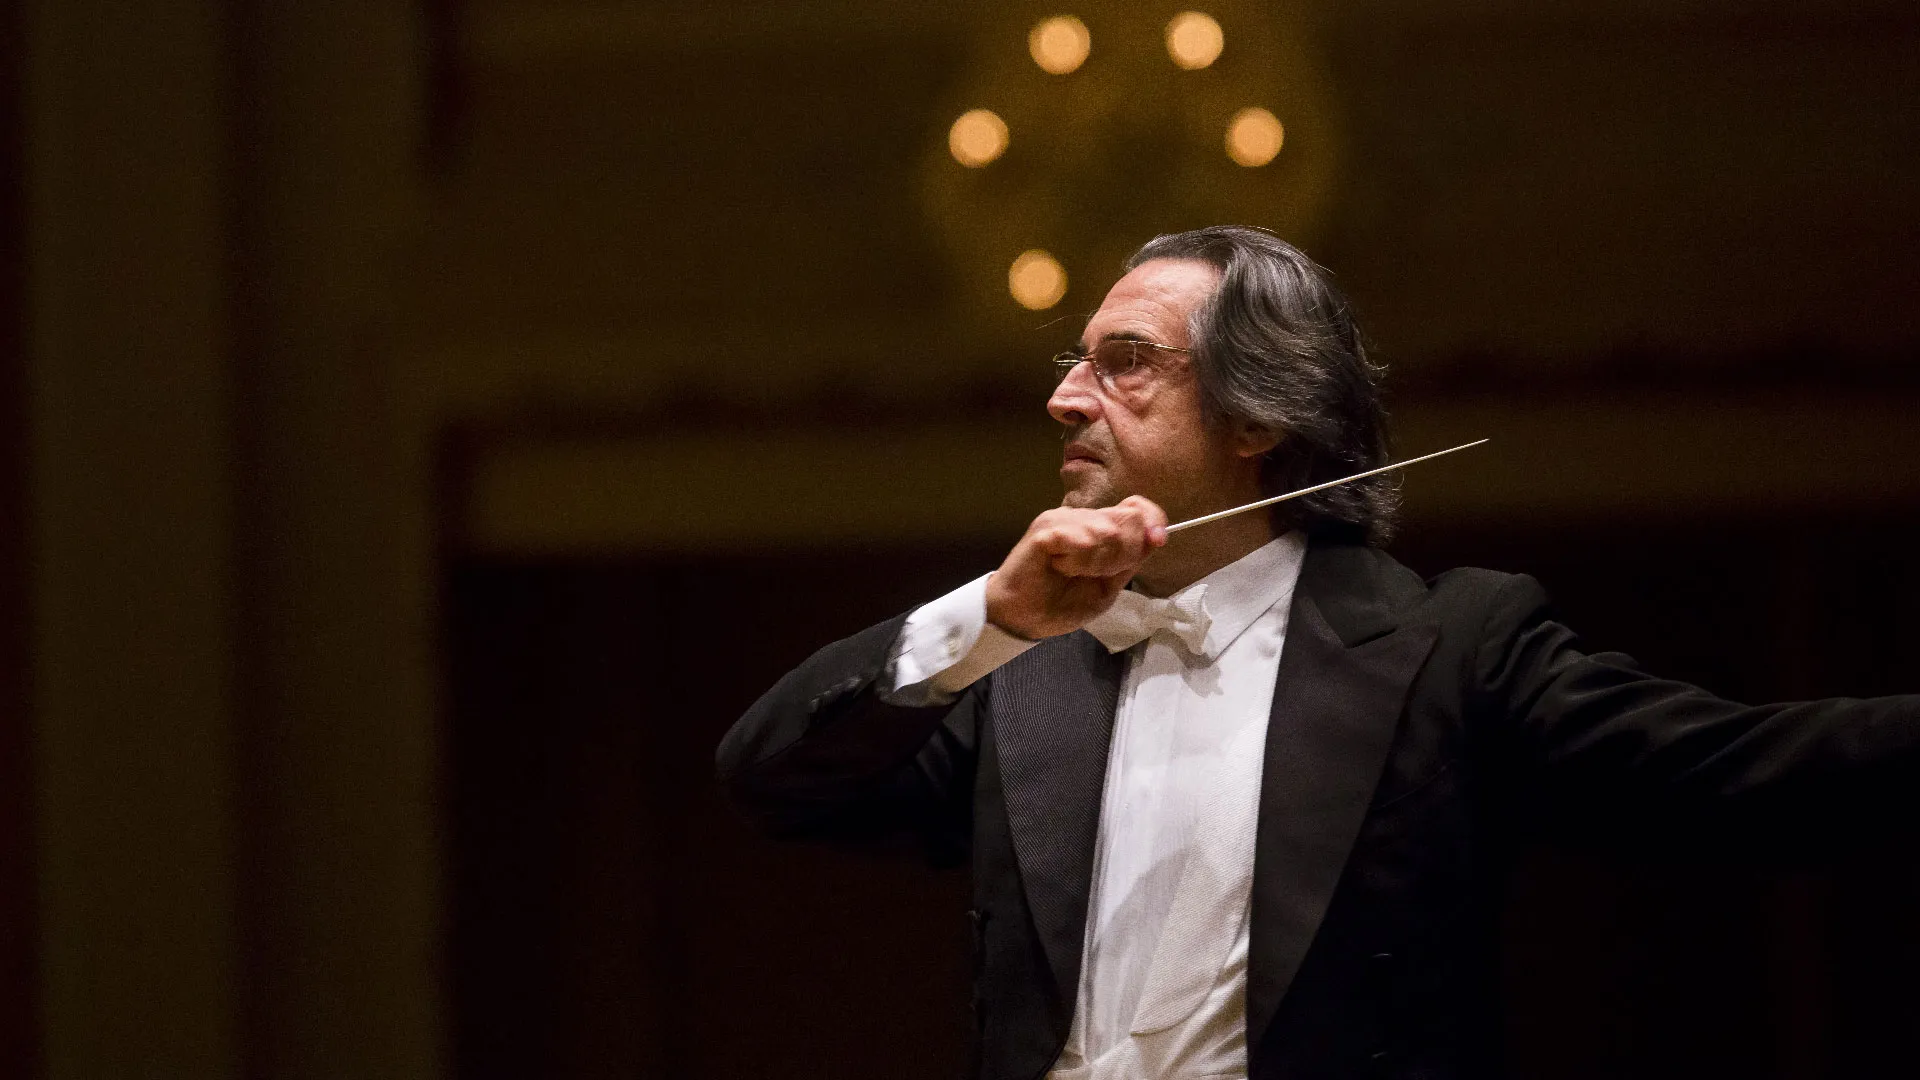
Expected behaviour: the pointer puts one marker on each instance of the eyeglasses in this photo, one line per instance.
(1111, 359)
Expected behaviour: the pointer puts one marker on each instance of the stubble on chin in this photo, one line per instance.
(1089, 495)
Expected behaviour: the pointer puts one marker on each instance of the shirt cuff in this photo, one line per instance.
(946, 646)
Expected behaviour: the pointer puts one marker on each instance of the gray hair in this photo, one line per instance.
(1276, 345)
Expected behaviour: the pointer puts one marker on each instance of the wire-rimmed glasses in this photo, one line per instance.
(1111, 358)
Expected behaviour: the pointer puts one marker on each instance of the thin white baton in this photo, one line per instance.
(1217, 515)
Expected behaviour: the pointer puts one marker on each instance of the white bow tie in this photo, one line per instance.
(1135, 617)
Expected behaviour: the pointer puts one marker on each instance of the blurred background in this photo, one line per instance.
(424, 427)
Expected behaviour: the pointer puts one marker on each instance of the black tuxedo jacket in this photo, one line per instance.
(1418, 729)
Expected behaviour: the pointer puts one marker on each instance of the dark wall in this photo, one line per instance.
(613, 918)
(17, 1041)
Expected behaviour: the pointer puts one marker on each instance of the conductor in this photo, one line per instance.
(1238, 801)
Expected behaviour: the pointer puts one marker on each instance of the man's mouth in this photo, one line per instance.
(1078, 452)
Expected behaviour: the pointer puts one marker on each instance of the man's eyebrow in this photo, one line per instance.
(1118, 335)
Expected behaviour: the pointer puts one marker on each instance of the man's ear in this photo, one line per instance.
(1252, 440)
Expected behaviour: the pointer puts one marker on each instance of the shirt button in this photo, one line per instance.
(953, 643)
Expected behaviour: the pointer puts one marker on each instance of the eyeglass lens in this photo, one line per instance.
(1111, 359)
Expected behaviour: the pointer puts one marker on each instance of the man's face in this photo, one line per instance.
(1144, 432)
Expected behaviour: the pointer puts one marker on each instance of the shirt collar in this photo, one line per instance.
(1243, 590)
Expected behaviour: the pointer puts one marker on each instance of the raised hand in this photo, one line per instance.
(1070, 565)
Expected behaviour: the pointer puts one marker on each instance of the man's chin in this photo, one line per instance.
(1089, 497)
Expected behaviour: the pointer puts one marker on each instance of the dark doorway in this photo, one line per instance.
(612, 917)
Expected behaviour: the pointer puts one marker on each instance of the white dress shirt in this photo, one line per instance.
(1163, 977)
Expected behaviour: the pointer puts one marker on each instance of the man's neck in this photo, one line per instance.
(1190, 556)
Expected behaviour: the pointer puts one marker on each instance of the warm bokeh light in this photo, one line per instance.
(1037, 280)
(1254, 137)
(1059, 44)
(1194, 40)
(977, 137)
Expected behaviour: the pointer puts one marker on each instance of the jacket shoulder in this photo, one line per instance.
(1473, 586)
(1394, 587)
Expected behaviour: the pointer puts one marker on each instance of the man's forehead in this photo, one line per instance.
(1153, 302)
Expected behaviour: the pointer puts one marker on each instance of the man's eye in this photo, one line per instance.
(1118, 357)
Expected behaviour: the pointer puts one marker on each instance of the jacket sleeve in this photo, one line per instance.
(820, 756)
(1612, 751)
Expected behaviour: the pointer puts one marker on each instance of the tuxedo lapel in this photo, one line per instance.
(1343, 680)
(1053, 712)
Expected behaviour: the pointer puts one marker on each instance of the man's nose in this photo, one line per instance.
(1076, 400)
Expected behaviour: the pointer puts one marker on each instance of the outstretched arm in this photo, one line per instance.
(1606, 747)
